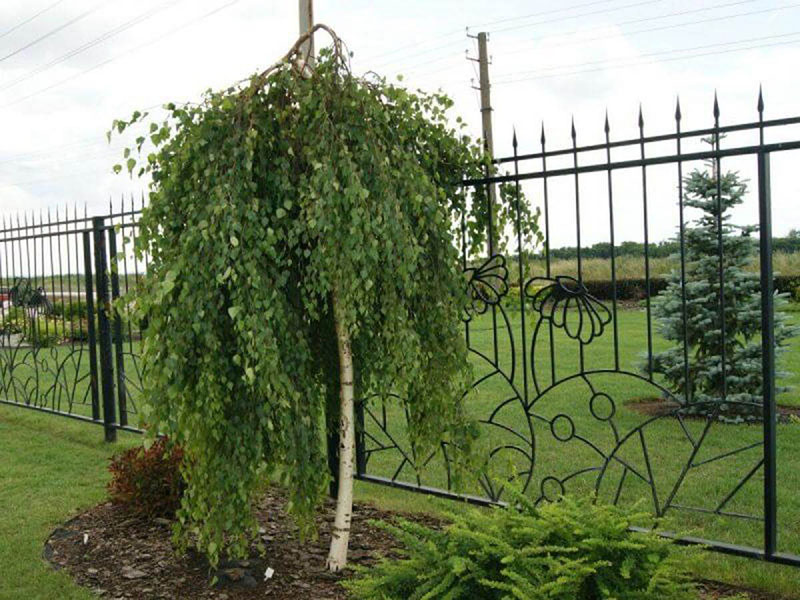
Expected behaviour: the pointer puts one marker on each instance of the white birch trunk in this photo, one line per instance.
(337, 556)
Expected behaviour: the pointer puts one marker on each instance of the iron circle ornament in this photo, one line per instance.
(602, 407)
(562, 427)
(551, 489)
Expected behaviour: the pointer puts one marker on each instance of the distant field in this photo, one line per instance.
(632, 267)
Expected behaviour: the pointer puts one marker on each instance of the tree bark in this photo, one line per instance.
(340, 539)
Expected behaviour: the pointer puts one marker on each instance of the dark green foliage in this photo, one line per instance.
(627, 289)
(742, 381)
(569, 550)
(71, 311)
(148, 481)
(265, 199)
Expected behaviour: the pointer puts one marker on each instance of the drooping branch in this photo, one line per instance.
(294, 52)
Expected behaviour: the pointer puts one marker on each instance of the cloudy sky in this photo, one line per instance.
(68, 67)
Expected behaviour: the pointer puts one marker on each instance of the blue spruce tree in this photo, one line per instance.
(740, 396)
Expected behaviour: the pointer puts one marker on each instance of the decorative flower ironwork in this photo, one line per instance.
(486, 285)
(566, 303)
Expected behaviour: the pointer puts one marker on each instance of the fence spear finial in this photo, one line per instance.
(716, 108)
(760, 101)
(514, 138)
(607, 126)
(573, 133)
(541, 138)
(678, 114)
(641, 118)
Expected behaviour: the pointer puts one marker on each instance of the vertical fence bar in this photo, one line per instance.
(521, 271)
(90, 331)
(607, 129)
(117, 330)
(577, 203)
(574, 136)
(490, 235)
(104, 327)
(768, 357)
(721, 250)
(646, 250)
(542, 140)
(464, 256)
(548, 266)
(682, 238)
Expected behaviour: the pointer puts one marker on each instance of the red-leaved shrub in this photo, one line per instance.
(148, 481)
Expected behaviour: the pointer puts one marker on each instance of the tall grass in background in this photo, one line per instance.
(632, 267)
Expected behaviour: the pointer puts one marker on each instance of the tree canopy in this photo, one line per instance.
(265, 199)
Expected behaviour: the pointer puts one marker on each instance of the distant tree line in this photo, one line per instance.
(789, 244)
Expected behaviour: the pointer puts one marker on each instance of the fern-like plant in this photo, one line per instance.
(569, 550)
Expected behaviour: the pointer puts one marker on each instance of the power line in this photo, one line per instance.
(453, 42)
(155, 40)
(79, 144)
(540, 14)
(651, 54)
(586, 14)
(29, 19)
(52, 32)
(421, 53)
(646, 62)
(98, 40)
(412, 45)
(49, 179)
(655, 18)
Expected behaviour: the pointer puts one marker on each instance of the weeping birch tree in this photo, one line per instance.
(300, 228)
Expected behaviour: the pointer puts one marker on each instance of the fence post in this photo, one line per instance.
(361, 454)
(104, 328)
(89, 290)
(768, 357)
(117, 332)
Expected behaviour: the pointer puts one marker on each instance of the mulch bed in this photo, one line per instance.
(121, 557)
(656, 407)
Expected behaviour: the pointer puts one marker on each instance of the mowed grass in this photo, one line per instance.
(570, 443)
(51, 467)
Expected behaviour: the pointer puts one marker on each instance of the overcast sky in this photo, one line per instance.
(68, 68)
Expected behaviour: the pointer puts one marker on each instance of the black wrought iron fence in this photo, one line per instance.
(566, 391)
(64, 346)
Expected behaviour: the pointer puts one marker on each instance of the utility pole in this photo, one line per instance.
(486, 121)
(306, 13)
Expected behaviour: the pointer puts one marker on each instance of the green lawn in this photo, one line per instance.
(669, 446)
(50, 467)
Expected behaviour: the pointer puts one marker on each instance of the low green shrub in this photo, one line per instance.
(70, 310)
(14, 320)
(43, 332)
(37, 330)
(569, 550)
(148, 481)
(796, 295)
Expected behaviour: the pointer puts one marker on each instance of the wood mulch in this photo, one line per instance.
(656, 407)
(124, 558)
